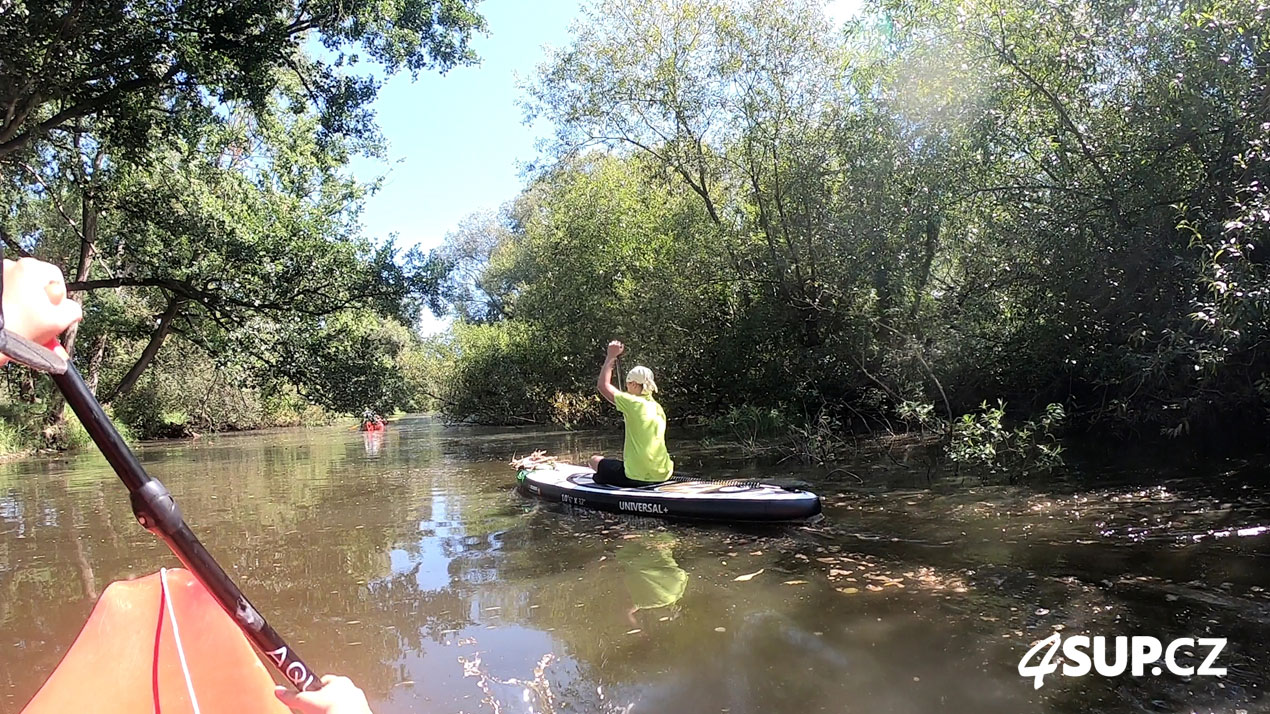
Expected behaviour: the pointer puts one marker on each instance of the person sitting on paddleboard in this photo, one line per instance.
(35, 306)
(644, 459)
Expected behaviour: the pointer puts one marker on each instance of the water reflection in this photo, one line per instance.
(373, 442)
(654, 581)
(408, 563)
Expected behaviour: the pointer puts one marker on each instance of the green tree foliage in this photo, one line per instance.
(353, 360)
(134, 66)
(186, 165)
(242, 239)
(941, 203)
(477, 258)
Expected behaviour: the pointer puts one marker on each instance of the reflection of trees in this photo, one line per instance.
(302, 519)
(46, 572)
(299, 518)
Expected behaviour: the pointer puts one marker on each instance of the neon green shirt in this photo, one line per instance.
(644, 453)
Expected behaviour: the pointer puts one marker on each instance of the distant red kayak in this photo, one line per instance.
(159, 644)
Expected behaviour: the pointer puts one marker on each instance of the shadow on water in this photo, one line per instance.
(407, 562)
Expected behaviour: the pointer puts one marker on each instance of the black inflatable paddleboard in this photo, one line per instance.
(736, 500)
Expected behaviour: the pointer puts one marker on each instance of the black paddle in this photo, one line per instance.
(154, 506)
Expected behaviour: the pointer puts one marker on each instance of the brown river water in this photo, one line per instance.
(407, 562)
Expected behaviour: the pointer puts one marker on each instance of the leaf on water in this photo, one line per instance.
(827, 560)
(796, 582)
(745, 578)
(757, 553)
(849, 591)
(720, 629)
(631, 632)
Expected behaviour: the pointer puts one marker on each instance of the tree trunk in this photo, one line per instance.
(94, 365)
(87, 240)
(26, 386)
(147, 355)
(933, 224)
(87, 243)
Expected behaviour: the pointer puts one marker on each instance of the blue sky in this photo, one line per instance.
(455, 140)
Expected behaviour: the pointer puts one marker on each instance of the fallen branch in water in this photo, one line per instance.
(537, 460)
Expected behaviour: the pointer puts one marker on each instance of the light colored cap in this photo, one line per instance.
(644, 376)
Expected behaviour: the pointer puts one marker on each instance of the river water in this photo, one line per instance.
(407, 562)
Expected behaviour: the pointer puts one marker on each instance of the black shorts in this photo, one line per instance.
(612, 472)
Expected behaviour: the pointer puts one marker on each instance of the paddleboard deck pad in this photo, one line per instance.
(736, 500)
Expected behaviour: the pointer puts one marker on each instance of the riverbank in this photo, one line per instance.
(12, 448)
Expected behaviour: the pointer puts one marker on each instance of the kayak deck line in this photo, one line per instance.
(159, 643)
(176, 638)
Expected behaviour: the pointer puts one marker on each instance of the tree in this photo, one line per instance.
(234, 236)
(945, 202)
(480, 278)
(135, 66)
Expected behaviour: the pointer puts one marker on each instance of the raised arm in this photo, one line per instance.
(604, 383)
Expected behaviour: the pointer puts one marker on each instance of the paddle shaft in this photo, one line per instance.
(158, 512)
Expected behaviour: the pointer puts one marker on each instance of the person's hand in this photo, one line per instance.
(338, 695)
(35, 303)
(616, 349)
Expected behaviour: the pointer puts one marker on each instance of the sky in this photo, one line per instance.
(455, 141)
